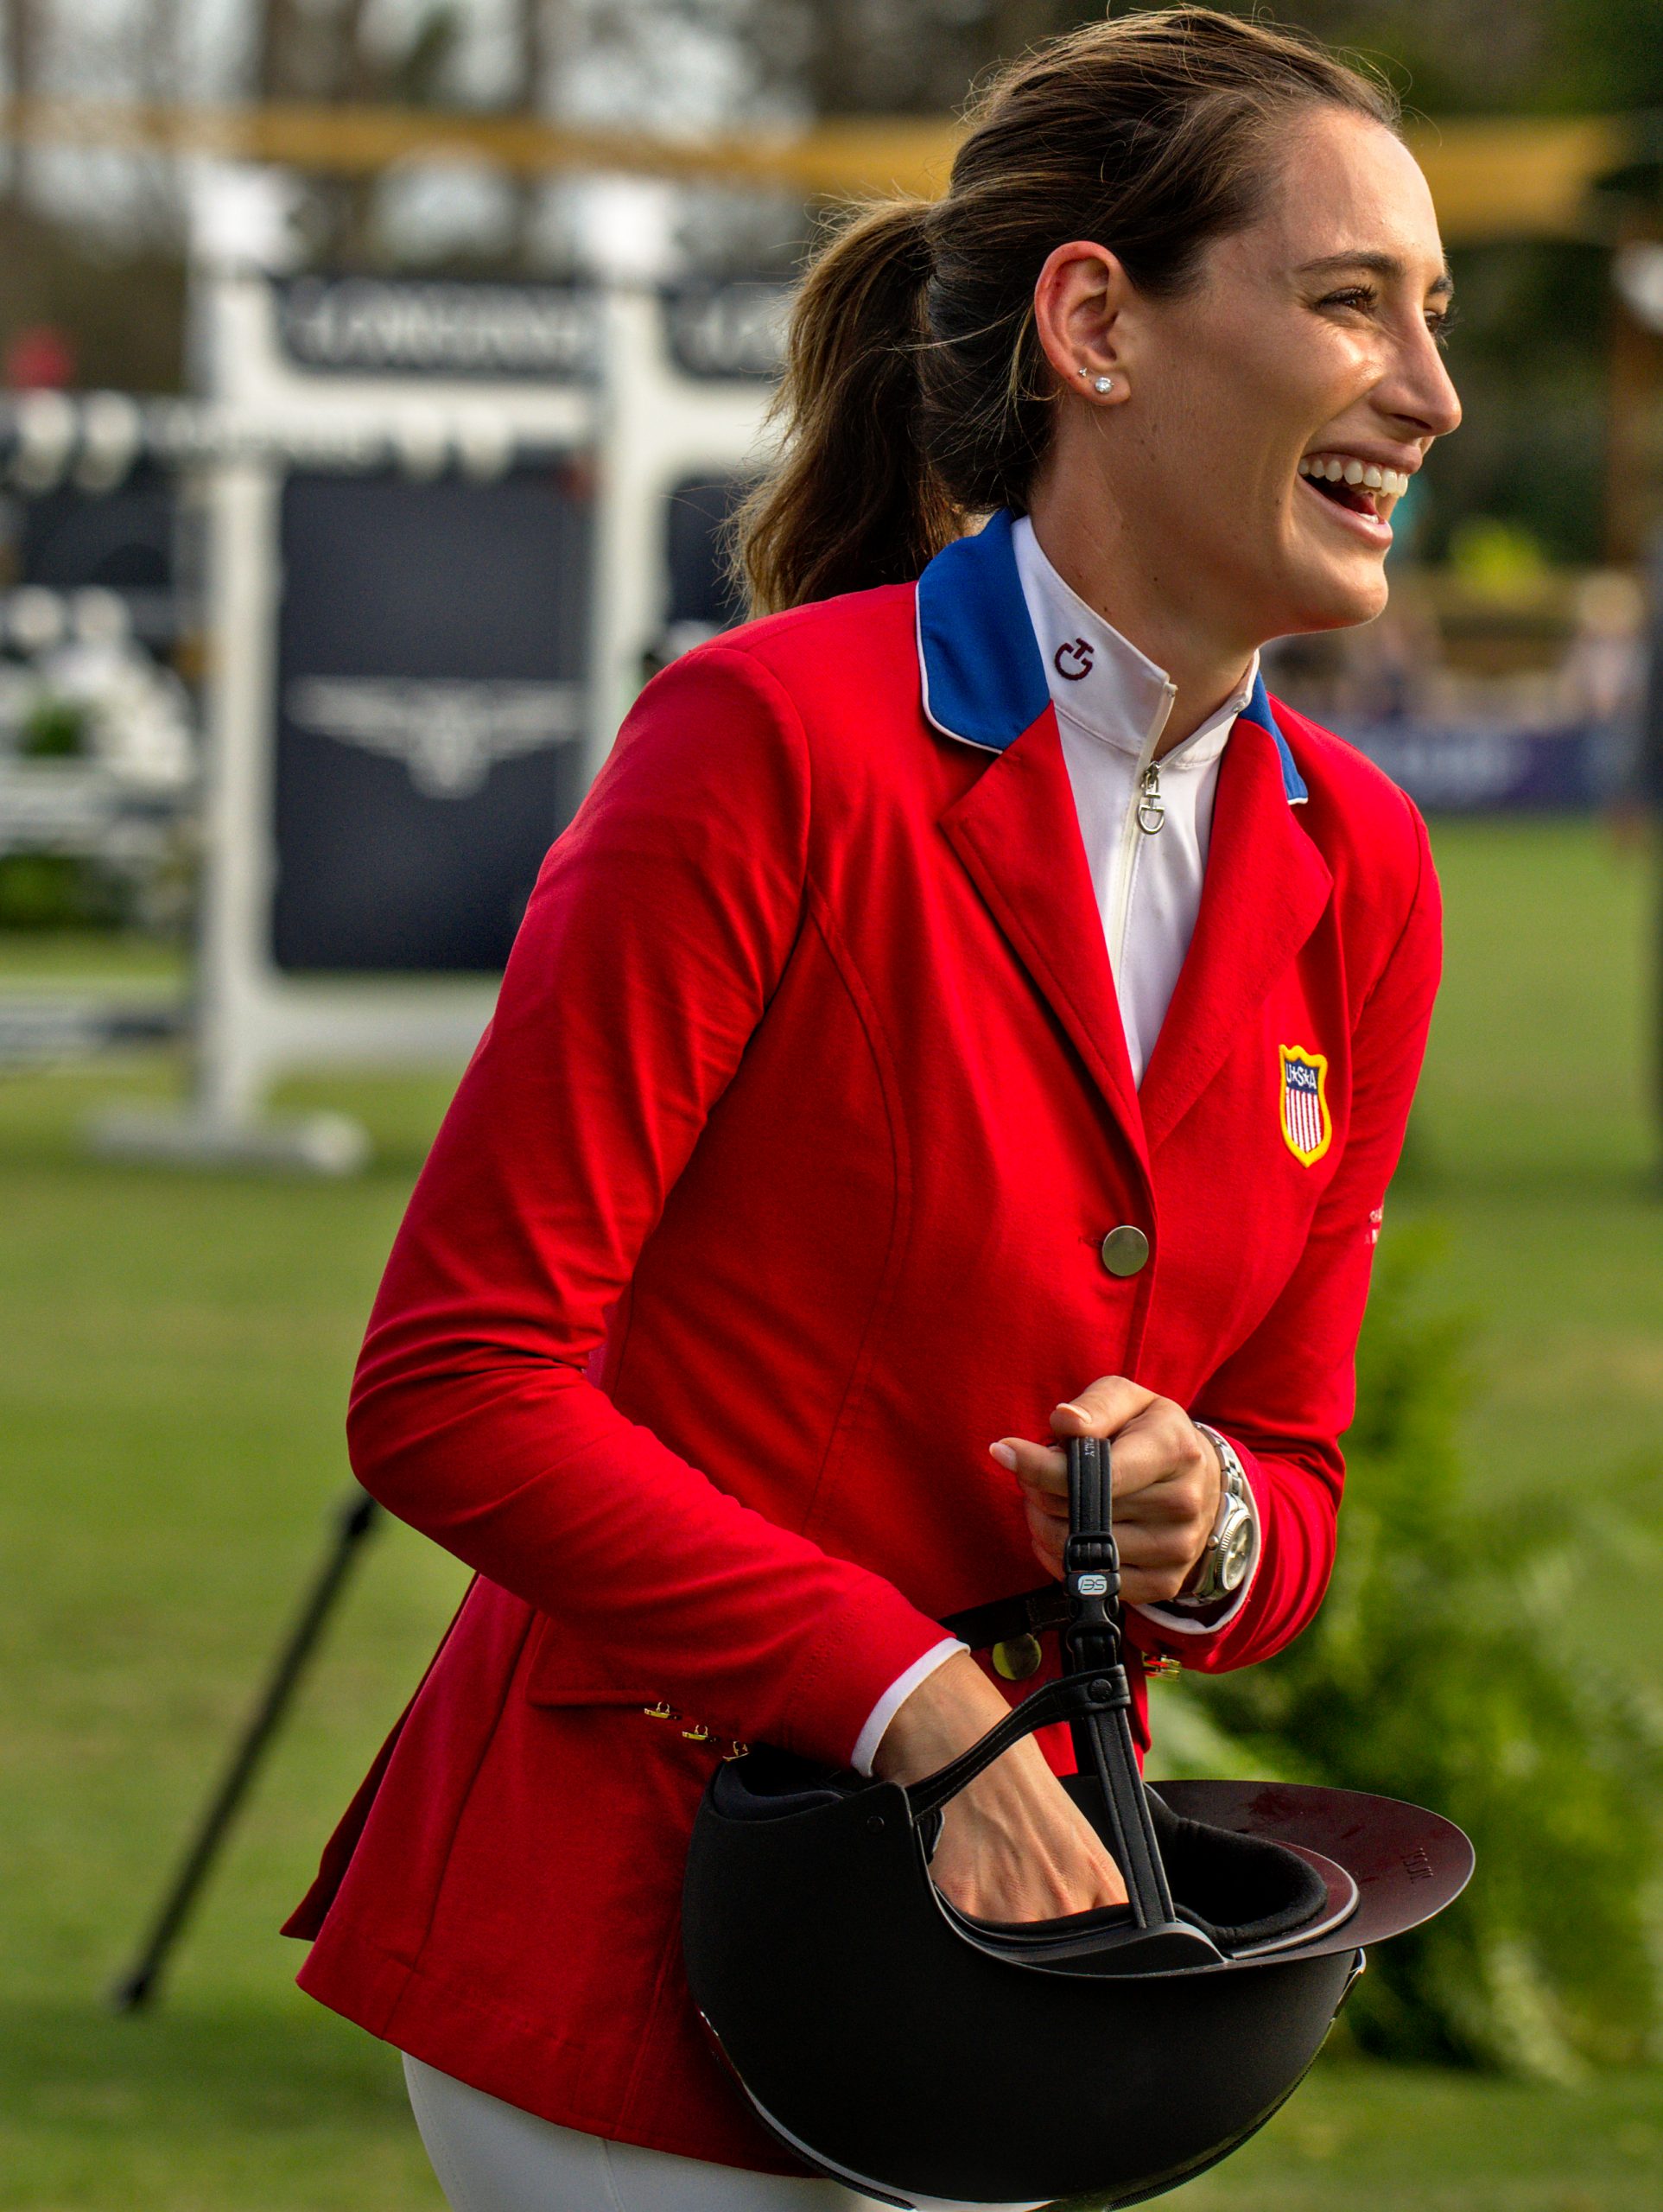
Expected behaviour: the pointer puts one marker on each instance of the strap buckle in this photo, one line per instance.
(1091, 1560)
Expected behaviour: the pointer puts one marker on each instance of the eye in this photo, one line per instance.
(1440, 321)
(1351, 295)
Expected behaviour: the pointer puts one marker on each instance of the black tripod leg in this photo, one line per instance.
(137, 1987)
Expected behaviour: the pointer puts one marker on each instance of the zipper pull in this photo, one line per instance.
(1151, 810)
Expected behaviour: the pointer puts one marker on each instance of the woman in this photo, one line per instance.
(964, 1013)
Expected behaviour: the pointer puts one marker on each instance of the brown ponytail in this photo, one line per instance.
(915, 395)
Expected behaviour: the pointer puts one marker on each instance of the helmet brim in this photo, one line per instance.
(1407, 1863)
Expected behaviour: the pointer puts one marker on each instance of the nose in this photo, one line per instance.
(1420, 390)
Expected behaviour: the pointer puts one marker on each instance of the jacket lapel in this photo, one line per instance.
(1017, 833)
(1265, 888)
(1016, 830)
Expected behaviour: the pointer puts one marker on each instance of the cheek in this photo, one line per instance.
(1217, 490)
(1285, 400)
(1237, 454)
(1234, 421)
(1195, 415)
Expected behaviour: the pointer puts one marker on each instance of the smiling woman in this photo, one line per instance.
(1307, 342)
(966, 1014)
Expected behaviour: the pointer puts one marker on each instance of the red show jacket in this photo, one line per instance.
(774, 1192)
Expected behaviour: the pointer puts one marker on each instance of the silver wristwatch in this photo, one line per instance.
(1229, 1549)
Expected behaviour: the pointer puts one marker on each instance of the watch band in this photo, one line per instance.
(1235, 1530)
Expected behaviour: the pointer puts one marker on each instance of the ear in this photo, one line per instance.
(1078, 302)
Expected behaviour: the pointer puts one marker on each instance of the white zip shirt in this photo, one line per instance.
(1112, 704)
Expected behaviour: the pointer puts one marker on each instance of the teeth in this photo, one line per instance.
(1392, 481)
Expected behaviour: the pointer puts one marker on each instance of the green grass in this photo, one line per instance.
(1536, 1143)
(173, 1359)
(60, 959)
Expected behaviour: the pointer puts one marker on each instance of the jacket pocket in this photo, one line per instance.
(564, 1671)
(563, 1667)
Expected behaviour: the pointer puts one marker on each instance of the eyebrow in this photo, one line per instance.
(1383, 264)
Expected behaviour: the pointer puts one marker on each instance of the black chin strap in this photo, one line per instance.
(1091, 1645)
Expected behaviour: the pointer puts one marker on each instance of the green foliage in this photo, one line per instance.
(418, 77)
(54, 730)
(1435, 1671)
(55, 891)
(1527, 355)
(1495, 555)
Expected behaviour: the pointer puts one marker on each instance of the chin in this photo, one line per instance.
(1337, 603)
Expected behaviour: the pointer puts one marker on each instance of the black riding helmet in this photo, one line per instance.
(924, 2056)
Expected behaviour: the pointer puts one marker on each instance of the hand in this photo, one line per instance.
(1168, 1483)
(1013, 1845)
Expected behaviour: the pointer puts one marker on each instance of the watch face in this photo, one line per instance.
(1233, 1552)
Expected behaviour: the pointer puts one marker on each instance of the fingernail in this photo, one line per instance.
(1068, 1405)
(1005, 1455)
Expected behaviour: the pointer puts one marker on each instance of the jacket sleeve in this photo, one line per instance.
(1285, 1396)
(657, 931)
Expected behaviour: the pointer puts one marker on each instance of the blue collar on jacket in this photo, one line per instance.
(983, 679)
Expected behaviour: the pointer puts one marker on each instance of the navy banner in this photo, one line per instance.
(430, 696)
(1464, 768)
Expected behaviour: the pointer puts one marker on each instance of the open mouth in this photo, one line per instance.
(1355, 486)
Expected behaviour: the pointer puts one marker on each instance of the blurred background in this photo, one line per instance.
(377, 374)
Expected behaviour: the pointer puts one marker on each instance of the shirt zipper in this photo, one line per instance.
(1145, 812)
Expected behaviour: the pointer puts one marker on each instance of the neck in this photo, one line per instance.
(1093, 552)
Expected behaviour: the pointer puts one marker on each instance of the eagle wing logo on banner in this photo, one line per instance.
(448, 734)
(1307, 1126)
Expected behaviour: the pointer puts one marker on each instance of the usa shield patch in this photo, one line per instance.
(1305, 1123)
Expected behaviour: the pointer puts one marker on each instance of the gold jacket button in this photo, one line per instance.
(1018, 1657)
(1125, 1249)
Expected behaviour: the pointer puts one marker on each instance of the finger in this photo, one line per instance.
(1045, 1541)
(1136, 1461)
(1048, 1560)
(1155, 1562)
(1142, 1457)
(1162, 1455)
(1152, 1586)
(1102, 1408)
(1160, 1537)
(1153, 1581)
(1154, 1528)
(1165, 1483)
(1155, 1551)
(1039, 1466)
(1048, 1550)
(1045, 1517)
(1147, 1487)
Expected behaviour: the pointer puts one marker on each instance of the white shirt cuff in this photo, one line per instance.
(867, 1743)
(1177, 1624)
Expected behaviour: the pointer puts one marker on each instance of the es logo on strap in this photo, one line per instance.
(1073, 659)
(1307, 1126)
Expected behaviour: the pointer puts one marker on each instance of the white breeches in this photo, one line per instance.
(491, 2157)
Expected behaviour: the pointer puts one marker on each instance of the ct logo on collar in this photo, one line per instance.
(1073, 659)
(1307, 1126)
